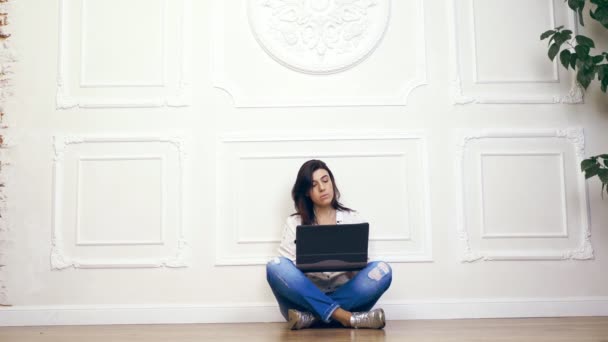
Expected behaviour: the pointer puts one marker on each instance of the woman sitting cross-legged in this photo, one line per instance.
(322, 298)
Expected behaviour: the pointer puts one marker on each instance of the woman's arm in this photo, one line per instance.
(287, 248)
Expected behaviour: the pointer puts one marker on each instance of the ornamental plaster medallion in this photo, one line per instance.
(319, 36)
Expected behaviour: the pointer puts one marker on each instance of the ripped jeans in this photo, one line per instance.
(294, 290)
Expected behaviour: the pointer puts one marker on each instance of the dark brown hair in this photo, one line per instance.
(300, 191)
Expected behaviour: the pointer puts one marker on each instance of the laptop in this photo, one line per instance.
(328, 248)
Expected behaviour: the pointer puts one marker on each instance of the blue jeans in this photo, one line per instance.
(294, 290)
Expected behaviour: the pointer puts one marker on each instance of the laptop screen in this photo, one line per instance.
(332, 247)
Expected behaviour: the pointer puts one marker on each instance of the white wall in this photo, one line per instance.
(154, 144)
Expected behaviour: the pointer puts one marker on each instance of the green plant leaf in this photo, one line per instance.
(564, 57)
(576, 4)
(592, 171)
(584, 77)
(553, 50)
(597, 59)
(547, 34)
(562, 37)
(582, 40)
(592, 71)
(573, 59)
(600, 3)
(603, 175)
(582, 51)
(588, 163)
(601, 15)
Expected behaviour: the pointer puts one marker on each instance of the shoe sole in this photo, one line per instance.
(382, 318)
(293, 320)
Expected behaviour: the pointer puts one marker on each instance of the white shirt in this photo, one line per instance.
(325, 281)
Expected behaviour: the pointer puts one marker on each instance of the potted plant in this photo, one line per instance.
(576, 54)
(597, 166)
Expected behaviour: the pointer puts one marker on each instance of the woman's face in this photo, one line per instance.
(322, 191)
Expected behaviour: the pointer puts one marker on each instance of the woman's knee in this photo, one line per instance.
(372, 281)
(381, 272)
(277, 264)
(281, 272)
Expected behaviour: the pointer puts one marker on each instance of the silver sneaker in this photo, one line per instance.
(370, 319)
(300, 320)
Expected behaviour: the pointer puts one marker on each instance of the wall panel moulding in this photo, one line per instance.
(121, 64)
(498, 58)
(400, 224)
(318, 53)
(118, 202)
(538, 212)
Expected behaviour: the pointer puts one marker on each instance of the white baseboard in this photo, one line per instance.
(497, 308)
(269, 312)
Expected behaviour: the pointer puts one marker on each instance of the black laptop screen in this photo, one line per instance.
(343, 246)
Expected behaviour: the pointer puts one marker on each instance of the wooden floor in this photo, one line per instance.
(584, 329)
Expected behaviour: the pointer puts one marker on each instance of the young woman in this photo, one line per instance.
(308, 299)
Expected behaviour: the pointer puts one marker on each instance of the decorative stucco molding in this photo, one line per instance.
(230, 82)
(574, 136)
(574, 96)
(59, 260)
(321, 36)
(462, 97)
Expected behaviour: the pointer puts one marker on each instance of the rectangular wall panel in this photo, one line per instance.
(118, 202)
(511, 211)
(120, 53)
(522, 196)
(128, 53)
(125, 179)
(257, 174)
(499, 58)
(505, 50)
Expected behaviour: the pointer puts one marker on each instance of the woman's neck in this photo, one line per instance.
(325, 215)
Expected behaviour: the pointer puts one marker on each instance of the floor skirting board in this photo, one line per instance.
(269, 312)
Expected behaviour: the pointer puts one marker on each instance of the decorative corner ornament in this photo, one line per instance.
(576, 95)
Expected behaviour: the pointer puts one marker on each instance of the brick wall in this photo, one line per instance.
(6, 61)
